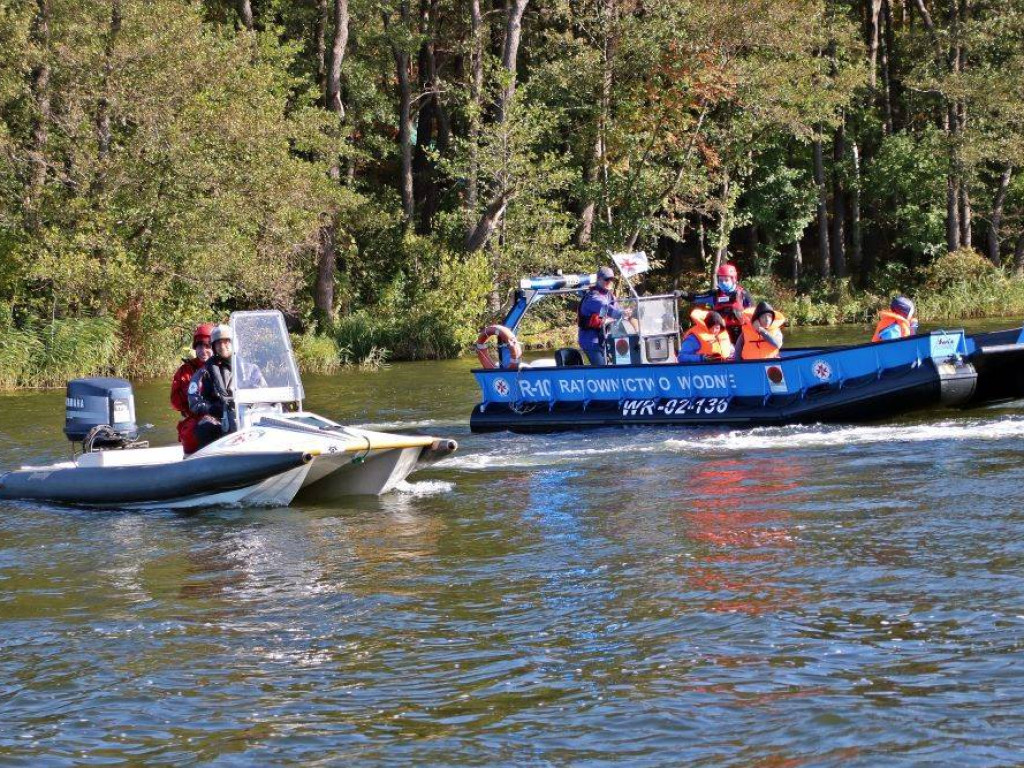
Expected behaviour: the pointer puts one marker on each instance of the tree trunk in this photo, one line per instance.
(753, 245)
(724, 227)
(433, 127)
(966, 216)
(329, 79)
(41, 119)
(593, 168)
(245, 14)
(103, 136)
(996, 219)
(1018, 256)
(401, 58)
(485, 227)
(476, 85)
(873, 36)
(957, 189)
(888, 67)
(952, 214)
(320, 42)
(405, 134)
(510, 55)
(960, 21)
(856, 236)
(838, 203)
(702, 240)
(338, 47)
(596, 167)
(323, 300)
(952, 184)
(824, 265)
(607, 83)
(495, 210)
(798, 261)
(424, 183)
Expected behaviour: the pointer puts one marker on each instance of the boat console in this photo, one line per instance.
(651, 336)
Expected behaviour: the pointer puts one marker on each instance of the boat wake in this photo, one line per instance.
(527, 458)
(424, 487)
(409, 424)
(526, 452)
(783, 438)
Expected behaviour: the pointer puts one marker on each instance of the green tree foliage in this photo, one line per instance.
(163, 162)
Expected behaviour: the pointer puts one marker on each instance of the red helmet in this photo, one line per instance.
(727, 270)
(203, 333)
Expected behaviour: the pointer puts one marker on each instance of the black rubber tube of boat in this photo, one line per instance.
(196, 476)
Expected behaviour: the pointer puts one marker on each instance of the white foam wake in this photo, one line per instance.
(781, 438)
(540, 458)
(411, 424)
(425, 487)
(701, 441)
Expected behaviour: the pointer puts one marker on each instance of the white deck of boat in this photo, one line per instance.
(136, 457)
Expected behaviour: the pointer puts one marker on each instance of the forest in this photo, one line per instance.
(384, 171)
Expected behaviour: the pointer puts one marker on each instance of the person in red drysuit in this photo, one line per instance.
(179, 386)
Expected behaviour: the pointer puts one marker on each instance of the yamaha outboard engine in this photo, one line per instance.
(100, 413)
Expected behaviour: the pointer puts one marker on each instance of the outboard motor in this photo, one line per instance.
(100, 413)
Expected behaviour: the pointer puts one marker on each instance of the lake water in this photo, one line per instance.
(775, 597)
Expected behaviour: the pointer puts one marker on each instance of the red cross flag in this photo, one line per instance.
(631, 264)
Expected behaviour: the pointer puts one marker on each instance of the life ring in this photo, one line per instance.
(505, 336)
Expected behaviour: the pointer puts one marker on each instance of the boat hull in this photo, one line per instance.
(843, 384)
(998, 356)
(349, 461)
(269, 478)
(375, 474)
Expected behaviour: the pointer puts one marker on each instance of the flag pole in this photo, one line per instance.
(629, 283)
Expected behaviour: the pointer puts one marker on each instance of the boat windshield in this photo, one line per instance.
(658, 315)
(263, 365)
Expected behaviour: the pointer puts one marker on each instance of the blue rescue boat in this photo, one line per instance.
(644, 385)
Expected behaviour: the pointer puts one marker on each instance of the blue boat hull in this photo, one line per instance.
(843, 384)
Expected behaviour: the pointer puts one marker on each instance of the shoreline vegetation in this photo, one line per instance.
(384, 172)
(961, 286)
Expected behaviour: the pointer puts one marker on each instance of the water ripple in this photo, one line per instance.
(813, 595)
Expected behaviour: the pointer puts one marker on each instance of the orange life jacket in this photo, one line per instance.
(755, 346)
(710, 344)
(887, 318)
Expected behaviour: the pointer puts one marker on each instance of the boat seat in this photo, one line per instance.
(568, 358)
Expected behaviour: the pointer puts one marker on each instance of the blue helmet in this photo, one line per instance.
(902, 305)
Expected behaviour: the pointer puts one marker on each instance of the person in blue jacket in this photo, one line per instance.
(598, 308)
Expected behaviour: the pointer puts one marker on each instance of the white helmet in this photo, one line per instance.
(220, 333)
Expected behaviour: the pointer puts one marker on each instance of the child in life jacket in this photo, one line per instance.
(898, 322)
(707, 340)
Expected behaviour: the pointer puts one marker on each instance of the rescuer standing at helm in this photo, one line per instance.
(598, 308)
(728, 298)
(202, 344)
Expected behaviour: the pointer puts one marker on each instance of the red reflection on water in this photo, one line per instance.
(738, 509)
